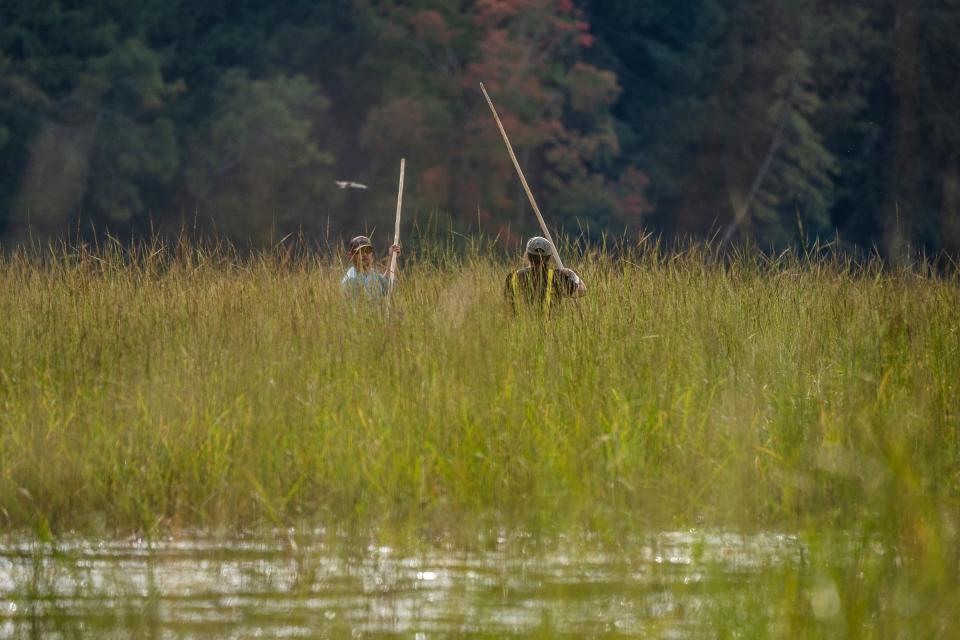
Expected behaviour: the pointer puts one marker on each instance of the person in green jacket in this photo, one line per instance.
(540, 284)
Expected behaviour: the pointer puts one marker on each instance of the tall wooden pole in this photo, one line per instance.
(523, 180)
(396, 229)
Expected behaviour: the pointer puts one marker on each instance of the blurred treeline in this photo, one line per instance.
(772, 120)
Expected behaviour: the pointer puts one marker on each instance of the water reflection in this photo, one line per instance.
(204, 587)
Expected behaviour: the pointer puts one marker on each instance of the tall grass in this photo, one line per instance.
(153, 388)
(158, 388)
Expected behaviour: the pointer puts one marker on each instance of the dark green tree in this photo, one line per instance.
(88, 105)
(669, 60)
(772, 120)
(258, 168)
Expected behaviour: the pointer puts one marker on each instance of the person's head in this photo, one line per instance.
(361, 253)
(538, 253)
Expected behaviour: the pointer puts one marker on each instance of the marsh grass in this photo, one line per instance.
(168, 387)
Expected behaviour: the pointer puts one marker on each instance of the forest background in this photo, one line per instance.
(776, 121)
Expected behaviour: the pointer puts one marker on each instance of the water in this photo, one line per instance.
(666, 585)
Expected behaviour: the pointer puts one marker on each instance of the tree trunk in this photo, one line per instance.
(904, 201)
(950, 209)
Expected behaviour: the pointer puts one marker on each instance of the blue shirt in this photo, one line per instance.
(369, 283)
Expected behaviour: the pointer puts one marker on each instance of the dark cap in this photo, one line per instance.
(358, 243)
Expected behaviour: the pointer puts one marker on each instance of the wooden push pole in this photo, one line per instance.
(396, 229)
(526, 187)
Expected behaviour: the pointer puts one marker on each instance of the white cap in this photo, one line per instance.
(539, 246)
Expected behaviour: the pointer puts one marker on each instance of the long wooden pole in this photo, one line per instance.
(523, 180)
(396, 228)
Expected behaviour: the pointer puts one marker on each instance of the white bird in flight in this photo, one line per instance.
(347, 184)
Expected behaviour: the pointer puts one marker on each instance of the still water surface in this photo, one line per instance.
(666, 585)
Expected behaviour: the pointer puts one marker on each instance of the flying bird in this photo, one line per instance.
(346, 184)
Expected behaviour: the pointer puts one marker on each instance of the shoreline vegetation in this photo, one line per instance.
(158, 391)
(151, 388)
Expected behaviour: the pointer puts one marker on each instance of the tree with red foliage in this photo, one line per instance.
(555, 106)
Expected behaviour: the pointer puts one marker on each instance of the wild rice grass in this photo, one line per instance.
(160, 389)
(156, 388)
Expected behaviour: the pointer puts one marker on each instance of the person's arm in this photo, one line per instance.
(508, 293)
(575, 287)
(394, 249)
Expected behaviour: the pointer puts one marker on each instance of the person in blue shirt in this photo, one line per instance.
(361, 279)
